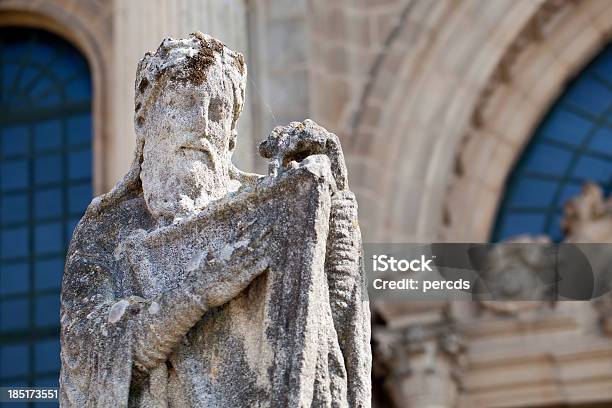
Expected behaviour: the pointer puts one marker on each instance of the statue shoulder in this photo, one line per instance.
(100, 229)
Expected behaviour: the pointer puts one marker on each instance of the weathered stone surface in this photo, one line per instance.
(588, 216)
(192, 284)
(588, 219)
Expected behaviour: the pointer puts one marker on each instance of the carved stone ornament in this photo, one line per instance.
(588, 216)
(420, 365)
(516, 272)
(587, 219)
(193, 284)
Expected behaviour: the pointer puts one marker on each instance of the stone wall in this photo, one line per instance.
(139, 26)
(435, 100)
(279, 62)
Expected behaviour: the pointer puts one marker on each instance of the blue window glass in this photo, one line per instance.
(9, 71)
(565, 126)
(533, 193)
(547, 159)
(572, 145)
(15, 278)
(14, 174)
(79, 130)
(14, 208)
(593, 169)
(72, 223)
(76, 89)
(48, 238)
(14, 314)
(48, 169)
(49, 99)
(48, 203)
(79, 164)
(15, 242)
(40, 86)
(602, 141)
(591, 89)
(14, 140)
(48, 135)
(45, 186)
(48, 272)
(47, 356)
(79, 197)
(47, 310)
(14, 360)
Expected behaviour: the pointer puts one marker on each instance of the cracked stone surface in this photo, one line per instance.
(193, 284)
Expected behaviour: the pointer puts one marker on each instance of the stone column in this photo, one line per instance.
(419, 363)
(139, 26)
(604, 308)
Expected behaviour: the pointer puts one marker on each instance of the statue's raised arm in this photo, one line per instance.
(193, 284)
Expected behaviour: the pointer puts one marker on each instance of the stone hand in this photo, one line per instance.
(296, 141)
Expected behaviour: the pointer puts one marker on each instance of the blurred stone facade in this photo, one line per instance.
(434, 101)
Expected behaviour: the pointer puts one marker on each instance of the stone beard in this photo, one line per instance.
(193, 284)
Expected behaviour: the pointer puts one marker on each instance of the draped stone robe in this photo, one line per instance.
(138, 329)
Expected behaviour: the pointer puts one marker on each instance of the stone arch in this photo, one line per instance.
(87, 25)
(556, 45)
(395, 66)
(413, 159)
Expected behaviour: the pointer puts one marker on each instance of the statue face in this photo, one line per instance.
(188, 144)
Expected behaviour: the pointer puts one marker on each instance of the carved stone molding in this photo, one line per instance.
(534, 32)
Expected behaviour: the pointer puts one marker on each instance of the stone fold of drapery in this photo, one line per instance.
(274, 344)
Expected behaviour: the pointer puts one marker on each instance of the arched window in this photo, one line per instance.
(45, 185)
(572, 145)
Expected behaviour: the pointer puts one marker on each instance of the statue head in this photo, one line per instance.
(189, 94)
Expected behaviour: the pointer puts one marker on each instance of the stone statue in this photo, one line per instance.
(193, 284)
(588, 216)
